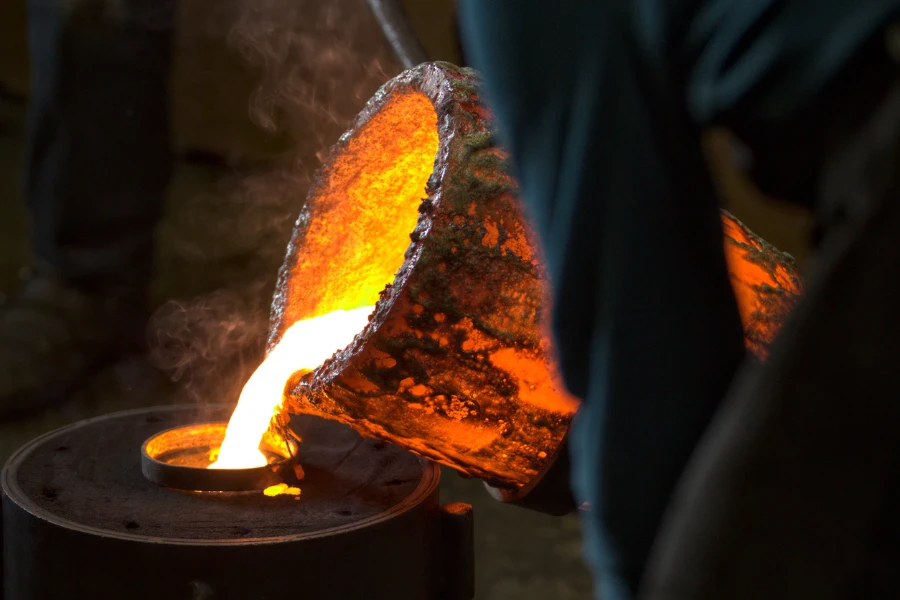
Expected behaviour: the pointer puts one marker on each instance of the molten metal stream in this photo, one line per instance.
(352, 246)
(304, 346)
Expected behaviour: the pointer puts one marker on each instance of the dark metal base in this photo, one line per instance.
(81, 521)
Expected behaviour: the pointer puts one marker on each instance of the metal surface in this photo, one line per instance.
(550, 492)
(399, 32)
(178, 458)
(76, 505)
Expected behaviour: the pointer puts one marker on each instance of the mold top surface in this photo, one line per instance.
(354, 232)
(90, 475)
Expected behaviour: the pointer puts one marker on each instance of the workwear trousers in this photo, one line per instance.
(98, 158)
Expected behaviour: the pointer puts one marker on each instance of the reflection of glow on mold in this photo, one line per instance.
(281, 489)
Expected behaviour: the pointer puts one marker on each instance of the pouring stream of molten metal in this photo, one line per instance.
(304, 346)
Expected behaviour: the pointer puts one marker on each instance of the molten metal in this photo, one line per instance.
(303, 347)
(179, 458)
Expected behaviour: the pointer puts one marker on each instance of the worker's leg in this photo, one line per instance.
(98, 165)
(794, 492)
(99, 158)
(611, 170)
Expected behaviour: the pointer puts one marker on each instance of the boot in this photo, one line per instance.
(55, 334)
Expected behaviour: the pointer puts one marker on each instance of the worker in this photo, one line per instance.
(777, 488)
(98, 164)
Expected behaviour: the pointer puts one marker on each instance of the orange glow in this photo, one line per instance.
(456, 366)
(304, 346)
(538, 381)
(765, 284)
(281, 489)
(354, 242)
(366, 206)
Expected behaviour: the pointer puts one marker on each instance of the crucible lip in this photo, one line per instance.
(178, 458)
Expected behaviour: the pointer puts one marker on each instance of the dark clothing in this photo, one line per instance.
(602, 105)
(98, 165)
(99, 158)
(795, 491)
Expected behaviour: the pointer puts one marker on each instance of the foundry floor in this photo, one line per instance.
(520, 555)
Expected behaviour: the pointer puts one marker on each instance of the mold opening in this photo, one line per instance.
(197, 446)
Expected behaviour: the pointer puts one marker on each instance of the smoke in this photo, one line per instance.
(320, 62)
(209, 345)
(317, 63)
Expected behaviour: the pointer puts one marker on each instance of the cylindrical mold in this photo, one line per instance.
(80, 520)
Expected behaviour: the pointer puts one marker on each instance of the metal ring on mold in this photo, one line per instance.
(178, 458)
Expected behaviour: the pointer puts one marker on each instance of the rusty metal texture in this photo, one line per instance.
(456, 361)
